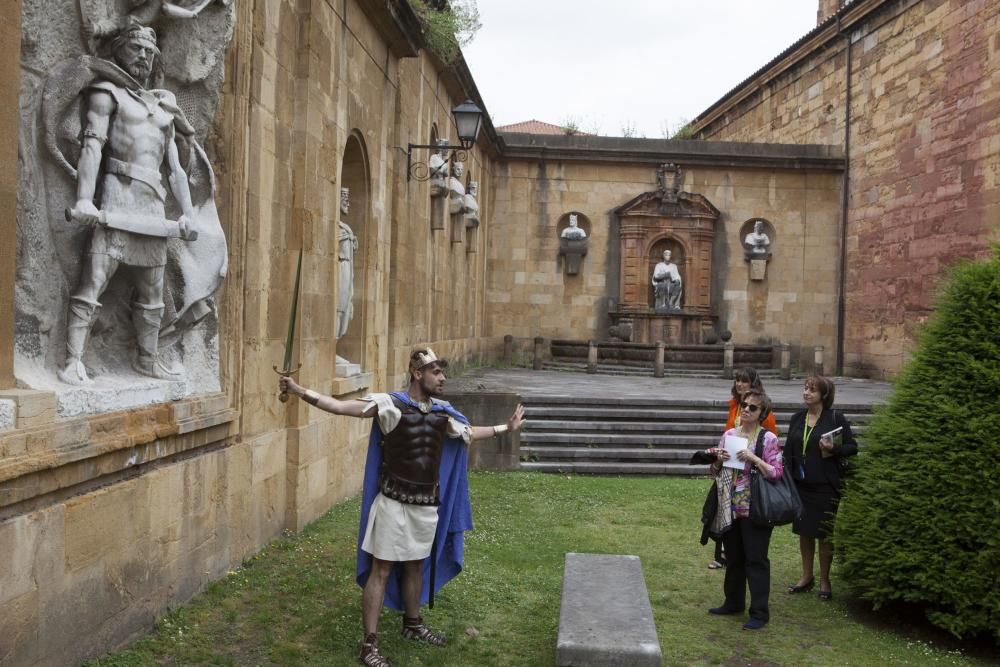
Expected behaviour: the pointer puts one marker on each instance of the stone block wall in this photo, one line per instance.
(923, 153)
(531, 295)
(111, 518)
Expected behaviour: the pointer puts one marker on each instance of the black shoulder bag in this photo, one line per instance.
(772, 503)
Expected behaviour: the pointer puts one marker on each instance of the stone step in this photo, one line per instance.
(633, 427)
(652, 455)
(615, 468)
(605, 617)
(664, 402)
(614, 439)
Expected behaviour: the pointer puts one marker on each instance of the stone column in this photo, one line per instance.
(818, 360)
(508, 349)
(728, 352)
(786, 362)
(658, 365)
(539, 353)
(10, 82)
(592, 358)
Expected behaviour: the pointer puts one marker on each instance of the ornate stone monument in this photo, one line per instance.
(573, 245)
(121, 250)
(665, 244)
(347, 246)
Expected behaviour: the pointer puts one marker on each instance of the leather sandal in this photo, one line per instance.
(370, 656)
(804, 588)
(414, 628)
(825, 596)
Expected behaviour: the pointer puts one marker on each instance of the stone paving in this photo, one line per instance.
(561, 383)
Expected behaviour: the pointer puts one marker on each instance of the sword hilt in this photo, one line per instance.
(283, 396)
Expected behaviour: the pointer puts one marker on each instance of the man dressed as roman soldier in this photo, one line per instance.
(415, 504)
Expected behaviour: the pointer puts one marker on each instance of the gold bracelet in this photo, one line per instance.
(498, 429)
(310, 397)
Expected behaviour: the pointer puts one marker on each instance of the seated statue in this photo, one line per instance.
(573, 231)
(667, 285)
(757, 244)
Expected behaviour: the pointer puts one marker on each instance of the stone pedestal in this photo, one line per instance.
(667, 328)
(758, 269)
(346, 368)
(572, 252)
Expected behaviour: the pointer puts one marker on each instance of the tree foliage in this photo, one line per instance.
(920, 519)
(447, 26)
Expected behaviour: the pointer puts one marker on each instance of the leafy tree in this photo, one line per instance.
(447, 26)
(920, 519)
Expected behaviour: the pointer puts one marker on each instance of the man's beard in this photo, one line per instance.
(138, 70)
(431, 390)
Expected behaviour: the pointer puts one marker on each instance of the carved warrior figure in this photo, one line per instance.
(573, 231)
(146, 12)
(667, 285)
(757, 244)
(437, 166)
(347, 245)
(127, 137)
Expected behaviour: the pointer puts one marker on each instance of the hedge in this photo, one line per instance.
(920, 518)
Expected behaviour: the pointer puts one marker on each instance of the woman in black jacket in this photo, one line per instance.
(815, 463)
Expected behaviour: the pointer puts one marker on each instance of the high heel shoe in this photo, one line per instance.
(804, 588)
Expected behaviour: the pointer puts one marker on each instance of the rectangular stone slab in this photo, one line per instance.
(605, 618)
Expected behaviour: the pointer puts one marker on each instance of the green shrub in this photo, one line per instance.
(920, 519)
(447, 25)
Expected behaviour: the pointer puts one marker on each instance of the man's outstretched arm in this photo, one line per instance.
(351, 408)
(513, 424)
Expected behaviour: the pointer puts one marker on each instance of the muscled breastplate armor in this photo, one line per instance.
(411, 455)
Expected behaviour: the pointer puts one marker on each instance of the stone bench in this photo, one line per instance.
(605, 618)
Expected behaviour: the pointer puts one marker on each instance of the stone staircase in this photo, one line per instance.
(632, 436)
(646, 370)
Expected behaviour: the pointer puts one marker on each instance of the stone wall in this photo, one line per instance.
(109, 519)
(531, 294)
(923, 166)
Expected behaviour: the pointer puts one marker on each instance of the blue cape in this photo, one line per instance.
(454, 512)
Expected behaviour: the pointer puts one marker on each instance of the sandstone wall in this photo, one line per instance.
(531, 295)
(107, 520)
(924, 146)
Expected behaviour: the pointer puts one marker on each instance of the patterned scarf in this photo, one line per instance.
(724, 514)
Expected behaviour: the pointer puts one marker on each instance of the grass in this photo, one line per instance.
(296, 602)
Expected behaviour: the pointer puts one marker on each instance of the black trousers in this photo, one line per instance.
(747, 564)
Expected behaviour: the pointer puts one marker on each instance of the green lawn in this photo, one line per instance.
(296, 603)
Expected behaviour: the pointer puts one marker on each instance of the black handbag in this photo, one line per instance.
(772, 503)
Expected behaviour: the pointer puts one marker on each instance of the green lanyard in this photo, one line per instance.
(808, 431)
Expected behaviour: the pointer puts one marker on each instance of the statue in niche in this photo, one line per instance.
(129, 134)
(574, 231)
(757, 244)
(437, 167)
(667, 285)
(471, 205)
(456, 190)
(347, 245)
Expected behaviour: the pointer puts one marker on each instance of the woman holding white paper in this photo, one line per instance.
(819, 437)
(746, 543)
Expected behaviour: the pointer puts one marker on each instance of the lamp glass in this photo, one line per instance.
(468, 120)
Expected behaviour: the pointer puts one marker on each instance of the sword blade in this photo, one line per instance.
(290, 339)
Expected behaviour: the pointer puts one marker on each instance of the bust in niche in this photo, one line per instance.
(437, 165)
(456, 191)
(471, 205)
(757, 244)
(574, 231)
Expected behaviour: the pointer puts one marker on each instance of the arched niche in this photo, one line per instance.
(355, 176)
(582, 221)
(572, 249)
(439, 191)
(678, 255)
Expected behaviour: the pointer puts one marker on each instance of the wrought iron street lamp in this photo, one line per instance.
(468, 121)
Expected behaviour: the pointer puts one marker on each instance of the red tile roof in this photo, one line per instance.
(537, 127)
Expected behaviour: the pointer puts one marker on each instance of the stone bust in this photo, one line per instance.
(437, 166)
(757, 244)
(574, 231)
(667, 285)
(456, 190)
(471, 205)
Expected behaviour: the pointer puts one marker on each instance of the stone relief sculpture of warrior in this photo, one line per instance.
(116, 194)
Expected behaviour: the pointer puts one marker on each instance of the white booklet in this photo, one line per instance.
(734, 444)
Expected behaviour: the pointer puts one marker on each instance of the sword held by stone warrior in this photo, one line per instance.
(287, 370)
(147, 225)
